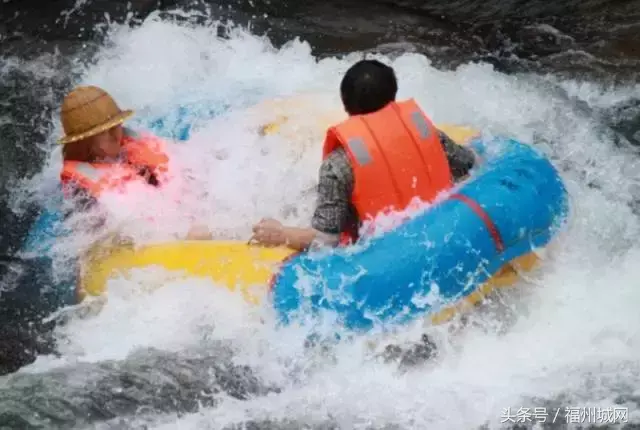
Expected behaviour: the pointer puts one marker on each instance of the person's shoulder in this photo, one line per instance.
(337, 155)
(444, 137)
(337, 163)
(451, 146)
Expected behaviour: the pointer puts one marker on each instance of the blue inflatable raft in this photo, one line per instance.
(439, 257)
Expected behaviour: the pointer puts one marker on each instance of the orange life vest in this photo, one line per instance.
(141, 153)
(396, 155)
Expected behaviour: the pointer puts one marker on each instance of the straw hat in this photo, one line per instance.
(87, 111)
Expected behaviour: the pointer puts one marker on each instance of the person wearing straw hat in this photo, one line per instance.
(100, 154)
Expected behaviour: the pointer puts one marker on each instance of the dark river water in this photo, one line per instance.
(571, 67)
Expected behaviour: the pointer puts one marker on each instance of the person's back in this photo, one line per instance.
(395, 156)
(413, 159)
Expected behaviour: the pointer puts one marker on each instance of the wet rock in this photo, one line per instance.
(22, 343)
(148, 382)
(67, 19)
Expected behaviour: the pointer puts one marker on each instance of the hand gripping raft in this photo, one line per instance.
(514, 203)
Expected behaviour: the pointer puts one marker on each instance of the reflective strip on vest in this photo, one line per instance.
(90, 172)
(421, 124)
(359, 151)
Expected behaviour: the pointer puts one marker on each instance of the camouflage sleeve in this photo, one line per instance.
(335, 185)
(461, 159)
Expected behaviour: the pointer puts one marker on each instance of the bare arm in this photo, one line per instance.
(331, 216)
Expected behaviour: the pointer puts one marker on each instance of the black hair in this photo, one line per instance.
(367, 87)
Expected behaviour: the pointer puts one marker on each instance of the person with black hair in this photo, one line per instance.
(380, 159)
